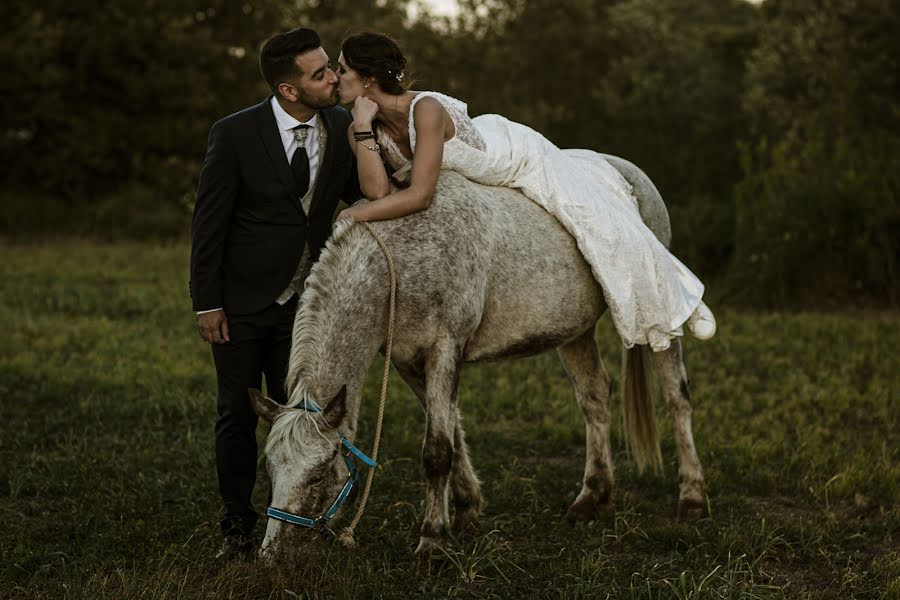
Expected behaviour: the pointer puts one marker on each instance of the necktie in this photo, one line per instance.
(300, 160)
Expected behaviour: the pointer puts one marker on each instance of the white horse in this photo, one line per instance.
(483, 274)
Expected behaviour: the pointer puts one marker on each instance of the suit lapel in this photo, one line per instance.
(326, 158)
(268, 129)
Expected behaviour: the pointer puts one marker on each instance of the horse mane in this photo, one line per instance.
(288, 431)
(312, 324)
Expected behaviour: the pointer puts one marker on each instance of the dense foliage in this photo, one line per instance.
(772, 130)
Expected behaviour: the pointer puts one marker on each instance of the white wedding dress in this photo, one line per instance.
(650, 293)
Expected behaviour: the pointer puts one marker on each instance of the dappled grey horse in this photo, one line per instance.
(483, 274)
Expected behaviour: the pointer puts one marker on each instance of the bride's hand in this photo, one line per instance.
(364, 111)
(346, 214)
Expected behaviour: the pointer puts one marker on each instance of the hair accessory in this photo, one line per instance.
(400, 76)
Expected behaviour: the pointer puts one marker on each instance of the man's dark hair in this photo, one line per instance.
(276, 59)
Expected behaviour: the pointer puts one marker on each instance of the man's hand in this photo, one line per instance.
(213, 327)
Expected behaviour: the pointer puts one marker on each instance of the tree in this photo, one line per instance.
(106, 107)
(818, 217)
(672, 99)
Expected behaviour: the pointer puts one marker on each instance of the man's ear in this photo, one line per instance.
(287, 91)
(265, 407)
(336, 410)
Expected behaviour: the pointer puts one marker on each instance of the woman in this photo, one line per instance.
(649, 292)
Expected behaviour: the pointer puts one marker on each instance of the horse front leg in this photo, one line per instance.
(673, 380)
(584, 366)
(465, 488)
(464, 484)
(442, 381)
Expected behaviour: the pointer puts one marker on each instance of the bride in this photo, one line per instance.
(650, 293)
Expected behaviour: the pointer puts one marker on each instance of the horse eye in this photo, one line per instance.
(318, 473)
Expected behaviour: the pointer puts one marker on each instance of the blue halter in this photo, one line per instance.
(320, 524)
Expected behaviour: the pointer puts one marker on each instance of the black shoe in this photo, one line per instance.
(236, 548)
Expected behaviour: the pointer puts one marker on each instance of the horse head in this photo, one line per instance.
(307, 464)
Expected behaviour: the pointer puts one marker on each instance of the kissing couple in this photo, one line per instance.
(273, 177)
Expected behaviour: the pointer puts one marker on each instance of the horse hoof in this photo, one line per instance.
(691, 509)
(465, 521)
(427, 544)
(586, 509)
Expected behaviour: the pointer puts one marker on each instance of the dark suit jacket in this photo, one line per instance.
(249, 229)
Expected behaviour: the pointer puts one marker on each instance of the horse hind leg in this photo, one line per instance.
(465, 487)
(692, 502)
(583, 364)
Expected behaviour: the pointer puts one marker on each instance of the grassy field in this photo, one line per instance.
(107, 482)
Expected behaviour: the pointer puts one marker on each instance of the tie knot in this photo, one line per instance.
(300, 133)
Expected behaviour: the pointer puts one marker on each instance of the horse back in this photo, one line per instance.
(535, 290)
(495, 272)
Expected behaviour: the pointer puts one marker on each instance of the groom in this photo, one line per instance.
(269, 187)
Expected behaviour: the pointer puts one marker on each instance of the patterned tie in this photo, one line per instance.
(300, 160)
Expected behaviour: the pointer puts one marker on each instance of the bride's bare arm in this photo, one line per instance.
(431, 121)
(373, 180)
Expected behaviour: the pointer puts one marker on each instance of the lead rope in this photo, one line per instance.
(345, 536)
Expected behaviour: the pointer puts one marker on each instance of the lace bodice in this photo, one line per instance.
(457, 150)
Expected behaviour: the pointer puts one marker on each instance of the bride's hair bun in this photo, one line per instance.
(373, 54)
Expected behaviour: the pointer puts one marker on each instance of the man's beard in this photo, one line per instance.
(318, 101)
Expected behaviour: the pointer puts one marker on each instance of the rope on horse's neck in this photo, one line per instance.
(346, 535)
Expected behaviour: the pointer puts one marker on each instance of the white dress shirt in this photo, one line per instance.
(285, 124)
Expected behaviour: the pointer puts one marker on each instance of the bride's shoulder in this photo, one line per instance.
(428, 112)
(448, 102)
(425, 102)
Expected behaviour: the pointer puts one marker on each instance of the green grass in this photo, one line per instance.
(107, 482)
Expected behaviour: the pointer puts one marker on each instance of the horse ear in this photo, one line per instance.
(265, 407)
(336, 410)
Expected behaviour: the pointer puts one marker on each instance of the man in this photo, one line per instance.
(269, 187)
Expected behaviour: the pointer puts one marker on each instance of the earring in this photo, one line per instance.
(365, 86)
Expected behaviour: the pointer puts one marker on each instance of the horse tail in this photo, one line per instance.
(640, 421)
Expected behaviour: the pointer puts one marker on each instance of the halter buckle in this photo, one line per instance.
(321, 527)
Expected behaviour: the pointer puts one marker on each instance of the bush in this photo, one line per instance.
(133, 211)
(821, 225)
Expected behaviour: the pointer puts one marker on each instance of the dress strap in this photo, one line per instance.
(450, 104)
